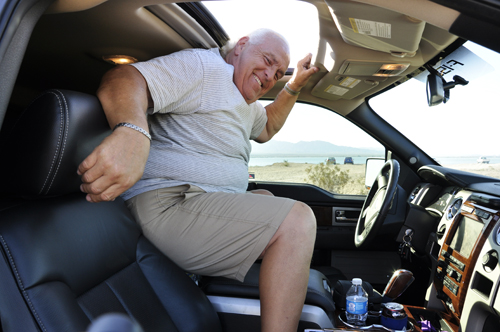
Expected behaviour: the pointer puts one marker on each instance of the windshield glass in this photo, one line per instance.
(461, 133)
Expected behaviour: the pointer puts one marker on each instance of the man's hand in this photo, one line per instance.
(118, 162)
(302, 73)
(278, 111)
(115, 165)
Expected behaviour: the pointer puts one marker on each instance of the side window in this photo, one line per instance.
(316, 146)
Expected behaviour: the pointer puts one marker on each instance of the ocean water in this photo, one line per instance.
(444, 161)
(464, 160)
(264, 161)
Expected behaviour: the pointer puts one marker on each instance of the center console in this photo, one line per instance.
(461, 252)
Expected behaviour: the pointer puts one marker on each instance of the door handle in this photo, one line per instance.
(345, 219)
(340, 217)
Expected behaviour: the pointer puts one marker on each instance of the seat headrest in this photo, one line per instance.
(42, 150)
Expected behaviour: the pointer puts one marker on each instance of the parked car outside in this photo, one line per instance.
(348, 160)
(331, 161)
(483, 160)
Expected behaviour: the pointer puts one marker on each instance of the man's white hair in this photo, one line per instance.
(256, 37)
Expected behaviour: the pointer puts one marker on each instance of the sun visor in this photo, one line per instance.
(377, 28)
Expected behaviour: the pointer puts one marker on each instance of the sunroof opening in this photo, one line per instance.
(238, 18)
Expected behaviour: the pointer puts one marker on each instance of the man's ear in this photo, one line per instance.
(240, 45)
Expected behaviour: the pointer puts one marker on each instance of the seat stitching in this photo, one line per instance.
(20, 282)
(64, 139)
(59, 139)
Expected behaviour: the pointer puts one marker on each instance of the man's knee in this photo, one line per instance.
(301, 218)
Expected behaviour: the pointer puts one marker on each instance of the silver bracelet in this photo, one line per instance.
(290, 90)
(133, 126)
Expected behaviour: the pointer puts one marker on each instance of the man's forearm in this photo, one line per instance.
(278, 111)
(124, 96)
(118, 162)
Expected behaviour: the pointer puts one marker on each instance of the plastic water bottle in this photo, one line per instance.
(356, 303)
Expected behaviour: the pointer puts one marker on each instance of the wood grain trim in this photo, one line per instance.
(323, 214)
(458, 299)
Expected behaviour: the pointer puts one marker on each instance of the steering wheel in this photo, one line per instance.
(377, 204)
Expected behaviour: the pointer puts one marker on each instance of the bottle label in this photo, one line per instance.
(357, 308)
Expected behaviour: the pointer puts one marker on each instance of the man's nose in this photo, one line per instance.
(269, 74)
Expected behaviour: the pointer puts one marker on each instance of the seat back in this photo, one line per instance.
(64, 261)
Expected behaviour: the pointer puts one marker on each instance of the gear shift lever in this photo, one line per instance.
(398, 283)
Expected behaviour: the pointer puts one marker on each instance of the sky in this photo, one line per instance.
(273, 17)
(466, 124)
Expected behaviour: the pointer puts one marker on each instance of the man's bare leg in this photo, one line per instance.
(284, 272)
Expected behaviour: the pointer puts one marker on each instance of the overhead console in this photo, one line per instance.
(388, 44)
(462, 252)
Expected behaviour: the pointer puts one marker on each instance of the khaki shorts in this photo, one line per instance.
(211, 234)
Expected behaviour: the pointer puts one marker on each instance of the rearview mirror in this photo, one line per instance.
(435, 90)
(438, 90)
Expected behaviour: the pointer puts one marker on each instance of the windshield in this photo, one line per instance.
(461, 133)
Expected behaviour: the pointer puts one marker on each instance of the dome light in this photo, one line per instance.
(119, 59)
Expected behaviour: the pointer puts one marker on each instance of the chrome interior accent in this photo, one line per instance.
(252, 307)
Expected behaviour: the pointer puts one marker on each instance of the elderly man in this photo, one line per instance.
(188, 189)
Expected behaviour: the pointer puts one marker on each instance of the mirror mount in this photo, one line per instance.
(438, 90)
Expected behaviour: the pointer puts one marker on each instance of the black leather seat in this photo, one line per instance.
(64, 261)
(319, 289)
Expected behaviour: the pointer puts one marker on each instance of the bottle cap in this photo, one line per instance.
(357, 281)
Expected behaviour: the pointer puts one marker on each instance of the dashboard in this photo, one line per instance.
(455, 218)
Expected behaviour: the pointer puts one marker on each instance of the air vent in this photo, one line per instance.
(441, 231)
(453, 209)
(414, 193)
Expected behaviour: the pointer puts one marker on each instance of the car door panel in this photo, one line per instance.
(333, 231)
(336, 217)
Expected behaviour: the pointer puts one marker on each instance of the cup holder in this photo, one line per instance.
(373, 323)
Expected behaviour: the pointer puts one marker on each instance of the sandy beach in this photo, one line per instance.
(296, 172)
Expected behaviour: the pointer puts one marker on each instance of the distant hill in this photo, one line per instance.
(314, 148)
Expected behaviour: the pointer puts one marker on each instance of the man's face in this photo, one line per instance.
(259, 66)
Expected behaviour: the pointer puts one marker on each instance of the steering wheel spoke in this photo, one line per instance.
(377, 204)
